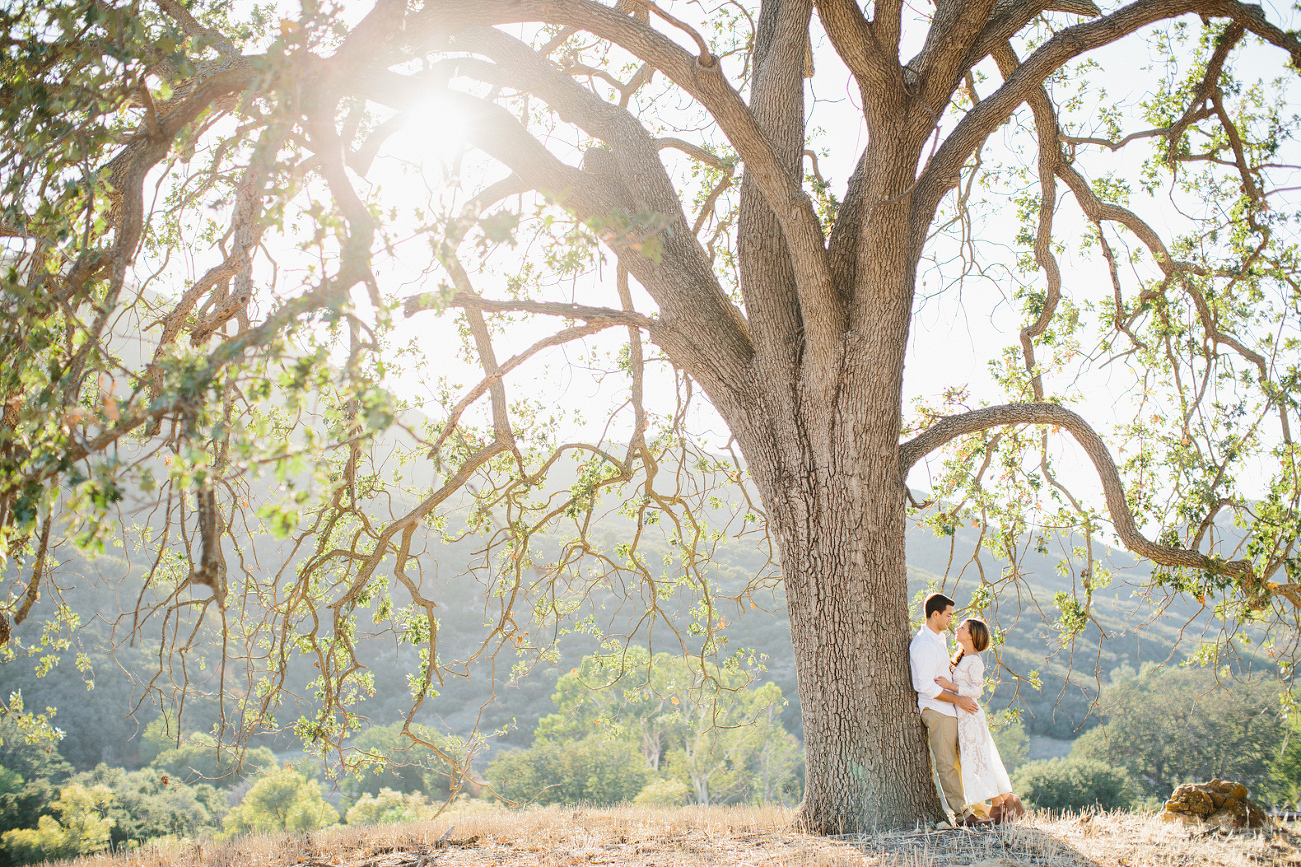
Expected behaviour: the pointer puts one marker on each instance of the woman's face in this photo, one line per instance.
(963, 632)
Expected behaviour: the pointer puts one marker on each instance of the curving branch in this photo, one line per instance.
(1047, 130)
(1205, 90)
(1122, 517)
(1009, 16)
(604, 316)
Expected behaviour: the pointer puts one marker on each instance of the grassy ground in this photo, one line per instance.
(725, 837)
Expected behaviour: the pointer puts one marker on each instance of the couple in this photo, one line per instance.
(966, 760)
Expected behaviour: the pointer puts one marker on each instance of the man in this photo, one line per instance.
(929, 657)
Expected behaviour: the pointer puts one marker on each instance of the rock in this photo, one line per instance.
(1220, 804)
(1190, 801)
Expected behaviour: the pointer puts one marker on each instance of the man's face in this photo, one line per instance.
(941, 620)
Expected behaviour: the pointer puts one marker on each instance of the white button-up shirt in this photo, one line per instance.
(929, 657)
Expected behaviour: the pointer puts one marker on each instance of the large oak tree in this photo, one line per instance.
(199, 235)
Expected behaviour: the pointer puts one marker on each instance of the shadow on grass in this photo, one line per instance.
(1012, 844)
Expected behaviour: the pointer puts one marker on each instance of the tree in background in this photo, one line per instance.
(147, 805)
(200, 758)
(1284, 784)
(281, 799)
(713, 729)
(595, 770)
(1010, 738)
(620, 169)
(1170, 726)
(81, 825)
(32, 771)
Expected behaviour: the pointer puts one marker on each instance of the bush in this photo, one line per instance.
(663, 793)
(282, 800)
(82, 827)
(147, 805)
(1073, 784)
(389, 807)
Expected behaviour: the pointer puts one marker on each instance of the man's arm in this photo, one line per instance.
(967, 704)
(923, 674)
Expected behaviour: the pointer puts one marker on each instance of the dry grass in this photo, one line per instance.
(724, 837)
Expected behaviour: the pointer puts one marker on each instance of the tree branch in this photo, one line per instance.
(942, 62)
(708, 85)
(628, 177)
(1047, 131)
(875, 66)
(941, 172)
(887, 26)
(179, 13)
(1113, 489)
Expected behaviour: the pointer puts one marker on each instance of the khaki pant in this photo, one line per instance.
(942, 732)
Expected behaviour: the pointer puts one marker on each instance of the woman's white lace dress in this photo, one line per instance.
(983, 774)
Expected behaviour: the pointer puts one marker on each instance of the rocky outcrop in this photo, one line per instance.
(1219, 804)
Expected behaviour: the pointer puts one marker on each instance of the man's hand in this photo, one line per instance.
(967, 704)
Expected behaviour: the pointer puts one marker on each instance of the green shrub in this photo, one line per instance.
(663, 793)
(388, 807)
(596, 771)
(81, 828)
(1073, 784)
(281, 800)
(147, 805)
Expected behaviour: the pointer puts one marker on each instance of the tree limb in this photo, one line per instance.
(1122, 517)
(874, 65)
(941, 172)
(707, 84)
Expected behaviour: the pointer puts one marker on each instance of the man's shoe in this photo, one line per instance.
(974, 821)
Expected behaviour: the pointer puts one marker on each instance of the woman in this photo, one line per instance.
(983, 776)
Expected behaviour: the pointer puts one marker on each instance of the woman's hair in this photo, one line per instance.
(979, 637)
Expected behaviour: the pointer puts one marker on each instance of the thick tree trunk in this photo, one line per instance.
(865, 750)
(839, 521)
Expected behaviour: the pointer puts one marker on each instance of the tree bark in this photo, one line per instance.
(839, 521)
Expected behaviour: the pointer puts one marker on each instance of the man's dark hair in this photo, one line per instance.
(937, 602)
